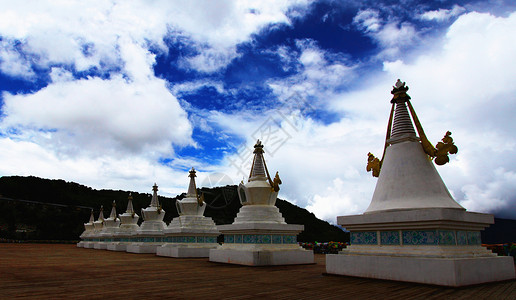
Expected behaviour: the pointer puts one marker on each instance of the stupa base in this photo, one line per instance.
(100, 245)
(142, 248)
(262, 257)
(88, 245)
(117, 247)
(184, 251)
(261, 244)
(452, 272)
(80, 244)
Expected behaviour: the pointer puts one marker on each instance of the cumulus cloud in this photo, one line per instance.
(89, 35)
(126, 172)
(101, 116)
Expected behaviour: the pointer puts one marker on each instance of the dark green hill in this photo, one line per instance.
(36, 208)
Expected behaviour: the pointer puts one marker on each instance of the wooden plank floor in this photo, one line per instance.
(64, 271)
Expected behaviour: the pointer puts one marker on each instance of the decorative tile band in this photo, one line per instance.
(447, 237)
(389, 237)
(259, 239)
(417, 237)
(364, 238)
(474, 238)
(170, 239)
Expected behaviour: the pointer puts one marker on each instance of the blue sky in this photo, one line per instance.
(119, 95)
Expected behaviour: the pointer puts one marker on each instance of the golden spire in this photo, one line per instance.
(400, 129)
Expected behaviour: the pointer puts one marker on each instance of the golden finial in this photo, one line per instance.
(373, 164)
(276, 182)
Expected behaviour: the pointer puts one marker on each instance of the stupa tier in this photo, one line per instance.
(89, 229)
(259, 235)
(413, 230)
(191, 234)
(150, 234)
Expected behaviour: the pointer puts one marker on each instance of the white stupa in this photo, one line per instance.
(88, 230)
(98, 227)
(111, 225)
(150, 233)
(259, 235)
(128, 228)
(191, 234)
(413, 230)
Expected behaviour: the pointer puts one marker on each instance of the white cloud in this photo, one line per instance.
(101, 116)
(391, 35)
(442, 14)
(13, 63)
(320, 74)
(368, 20)
(92, 34)
(125, 172)
(210, 59)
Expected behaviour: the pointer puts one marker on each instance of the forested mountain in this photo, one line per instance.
(36, 208)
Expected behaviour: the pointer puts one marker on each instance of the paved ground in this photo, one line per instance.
(63, 271)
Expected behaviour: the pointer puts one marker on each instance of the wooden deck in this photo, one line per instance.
(64, 271)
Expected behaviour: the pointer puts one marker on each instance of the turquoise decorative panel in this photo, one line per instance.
(390, 237)
(190, 239)
(276, 239)
(462, 238)
(474, 238)
(238, 239)
(364, 238)
(447, 237)
(266, 239)
(249, 239)
(229, 238)
(289, 239)
(200, 239)
(420, 237)
(211, 239)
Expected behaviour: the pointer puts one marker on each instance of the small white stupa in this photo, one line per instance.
(191, 234)
(150, 233)
(259, 235)
(98, 227)
(111, 225)
(127, 230)
(413, 230)
(88, 230)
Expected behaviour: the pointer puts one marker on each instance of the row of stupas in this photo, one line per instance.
(259, 236)
(413, 229)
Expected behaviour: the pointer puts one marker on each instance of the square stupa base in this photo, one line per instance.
(117, 247)
(261, 244)
(80, 244)
(184, 251)
(142, 248)
(262, 257)
(452, 272)
(100, 245)
(88, 245)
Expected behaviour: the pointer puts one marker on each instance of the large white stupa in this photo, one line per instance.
(128, 228)
(259, 235)
(150, 233)
(413, 230)
(191, 234)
